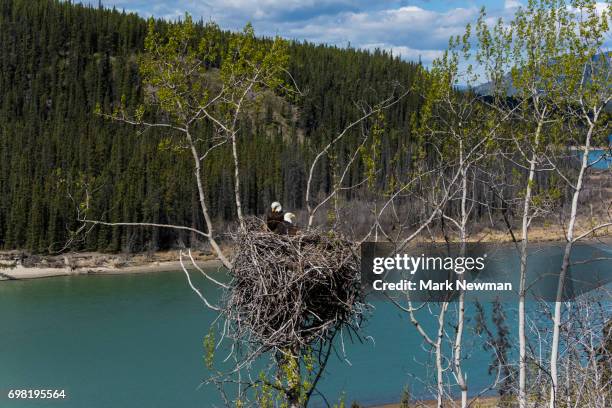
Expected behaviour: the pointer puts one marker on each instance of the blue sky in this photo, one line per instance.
(410, 28)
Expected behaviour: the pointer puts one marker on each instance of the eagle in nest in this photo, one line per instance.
(279, 222)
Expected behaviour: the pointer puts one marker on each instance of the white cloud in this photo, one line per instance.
(419, 29)
(410, 31)
(601, 6)
(512, 4)
(425, 55)
(234, 11)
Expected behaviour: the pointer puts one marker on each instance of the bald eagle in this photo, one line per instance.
(287, 227)
(274, 220)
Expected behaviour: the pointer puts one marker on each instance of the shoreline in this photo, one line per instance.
(87, 263)
(18, 265)
(482, 401)
(24, 273)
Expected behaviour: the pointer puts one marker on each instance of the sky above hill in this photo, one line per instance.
(411, 28)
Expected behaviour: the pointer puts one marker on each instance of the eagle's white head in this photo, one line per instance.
(289, 217)
(276, 207)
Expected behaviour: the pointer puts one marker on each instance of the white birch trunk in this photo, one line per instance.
(438, 352)
(523, 270)
(461, 381)
(202, 198)
(237, 183)
(554, 353)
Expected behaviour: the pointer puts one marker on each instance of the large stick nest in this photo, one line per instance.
(289, 291)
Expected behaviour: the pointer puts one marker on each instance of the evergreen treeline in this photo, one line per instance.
(58, 60)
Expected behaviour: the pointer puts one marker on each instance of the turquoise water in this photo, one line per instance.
(136, 341)
(599, 159)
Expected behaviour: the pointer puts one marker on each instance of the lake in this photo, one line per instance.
(599, 158)
(136, 341)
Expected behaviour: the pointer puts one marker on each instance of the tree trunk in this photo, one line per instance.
(202, 199)
(554, 352)
(290, 367)
(438, 351)
(237, 183)
(461, 381)
(523, 271)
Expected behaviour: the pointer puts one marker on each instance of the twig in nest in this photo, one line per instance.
(292, 291)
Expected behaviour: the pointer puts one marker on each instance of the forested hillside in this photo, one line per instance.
(59, 60)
